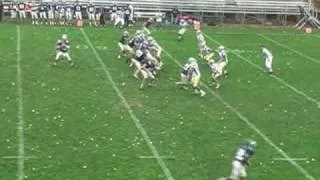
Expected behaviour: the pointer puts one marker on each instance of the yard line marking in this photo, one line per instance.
(280, 80)
(153, 157)
(20, 127)
(130, 111)
(17, 157)
(293, 159)
(289, 48)
(250, 124)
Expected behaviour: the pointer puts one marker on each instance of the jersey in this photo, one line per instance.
(21, 6)
(194, 69)
(77, 8)
(91, 9)
(124, 39)
(223, 56)
(127, 11)
(200, 39)
(114, 9)
(266, 53)
(68, 9)
(140, 56)
(63, 45)
(185, 69)
(244, 153)
(42, 8)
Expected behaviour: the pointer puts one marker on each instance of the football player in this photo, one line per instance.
(43, 13)
(91, 14)
(223, 60)
(155, 52)
(119, 18)
(184, 24)
(200, 39)
(268, 57)
(216, 72)
(206, 53)
(240, 161)
(68, 15)
(185, 75)
(147, 71)
(125, 49)
(77, 10)
(195, 77)
(34, 13)
(113, 10)
(51, 14)
(147, 25)
(22, 12)
(62, 50)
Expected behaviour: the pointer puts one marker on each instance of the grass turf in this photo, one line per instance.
(78, 128)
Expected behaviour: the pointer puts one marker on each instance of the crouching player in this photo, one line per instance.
(125, 49)
(206, 53)
(240, 160)
(191, 73)
(267, 55)
(143, 66)
(62, 50)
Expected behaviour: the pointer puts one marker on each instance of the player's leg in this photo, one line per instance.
(195, 81)
(66, 55)
(57, 58)
(121, 46)
(268, 64)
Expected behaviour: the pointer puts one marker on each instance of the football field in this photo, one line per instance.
(92, 122)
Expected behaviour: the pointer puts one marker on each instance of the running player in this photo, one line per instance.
(241, 159)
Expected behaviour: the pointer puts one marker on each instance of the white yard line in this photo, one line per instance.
(250, 124)
(291, 49)
(153, 157)
(280, 80)
(20, 127)
(293, 159)
(139, 126)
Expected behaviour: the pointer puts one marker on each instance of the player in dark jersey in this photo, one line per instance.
(43, 13)
(91, 14)
(77, 10)
(241, 159)
(127, 13)
(22, 13)
(62, 50)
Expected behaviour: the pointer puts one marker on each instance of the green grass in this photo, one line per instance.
(77, 127)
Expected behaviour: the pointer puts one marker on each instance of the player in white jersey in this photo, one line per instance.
(68, 14)
(91, 15)
(191, 74)
(62, 15)
(218, 68)
(184, 25)
(268, 57)
(200, 39)
(155, 51)
(240, 161)
(34, 13)
(113, 10)
(119, 18)
(62, 50)
(13, 10)
(206, 53)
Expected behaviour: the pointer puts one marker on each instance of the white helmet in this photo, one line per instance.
(221, 47)
(253, 143)
(192, 60)
(64, 36)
